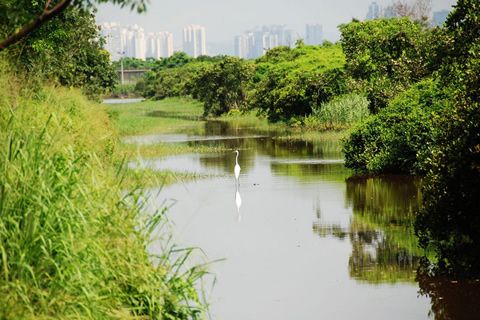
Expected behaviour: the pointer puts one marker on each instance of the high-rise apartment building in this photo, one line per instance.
(374, 11)
(131, 41)
(112, 32)
(159, 45)
(313, 34)
(137, 40)
(240, 46)
(194, 40)
(165, 44)
(254, 43)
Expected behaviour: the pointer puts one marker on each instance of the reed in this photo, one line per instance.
(72, 240)
(339, 113)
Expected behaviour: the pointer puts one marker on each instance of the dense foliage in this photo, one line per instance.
(222, 86)
(449, 222)
(400, 137)
(284, 83)
(66, 51)
(134, 63)
(432, 128)
(386, 56)
(290, 82)
(171, 77)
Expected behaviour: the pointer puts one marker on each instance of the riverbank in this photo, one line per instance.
(72, 241)
(147, 127)
(185, 116)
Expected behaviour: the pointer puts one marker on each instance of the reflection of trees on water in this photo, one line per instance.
(384, 247)
(306, 171)
(378, 258)
(324, 230)
(451, 300)
(261, 146)
(386, 200)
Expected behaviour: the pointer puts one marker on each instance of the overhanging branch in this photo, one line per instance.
(46, 15)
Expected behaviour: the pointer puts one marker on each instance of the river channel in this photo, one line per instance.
(298, 237)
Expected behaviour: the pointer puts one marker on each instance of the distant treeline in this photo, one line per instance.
(285, 84)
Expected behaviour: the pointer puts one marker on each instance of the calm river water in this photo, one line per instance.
(299, 238)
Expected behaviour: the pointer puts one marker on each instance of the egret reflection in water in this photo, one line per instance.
(238, 202)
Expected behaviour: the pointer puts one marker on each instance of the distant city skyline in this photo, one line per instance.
(255, 42)
(223, 19)
(313, 34)
(131, 41)
(194, 40)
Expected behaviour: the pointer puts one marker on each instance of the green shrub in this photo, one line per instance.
(399, 139)
(339, 113)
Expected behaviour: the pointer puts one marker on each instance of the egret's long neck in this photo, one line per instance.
(236, 159)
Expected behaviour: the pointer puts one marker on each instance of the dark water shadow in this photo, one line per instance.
(451, 299)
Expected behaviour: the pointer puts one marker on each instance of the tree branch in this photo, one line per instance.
(47, 4)
(46, 15)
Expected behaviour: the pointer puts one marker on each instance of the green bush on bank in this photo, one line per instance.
(288, 83)
(399, 139)
(339, 113)
(72, 241)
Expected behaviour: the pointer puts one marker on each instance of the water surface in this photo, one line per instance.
(122, 101)
(300, 239)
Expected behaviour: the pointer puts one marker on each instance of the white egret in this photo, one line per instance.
(237, 167)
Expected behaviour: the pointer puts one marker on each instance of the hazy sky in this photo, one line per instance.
(223, 19)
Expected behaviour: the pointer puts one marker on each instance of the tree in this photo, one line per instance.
(222, 86)
(449, 221)
(400, 138)
(21, 17)
(386, 56)
(289, 82)
(66, 51)
(178, 59)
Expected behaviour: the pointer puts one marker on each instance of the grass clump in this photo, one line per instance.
(339, 113)
(72, 241)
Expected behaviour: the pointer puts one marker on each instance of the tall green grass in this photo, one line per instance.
(339, 113)
(72, 240)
